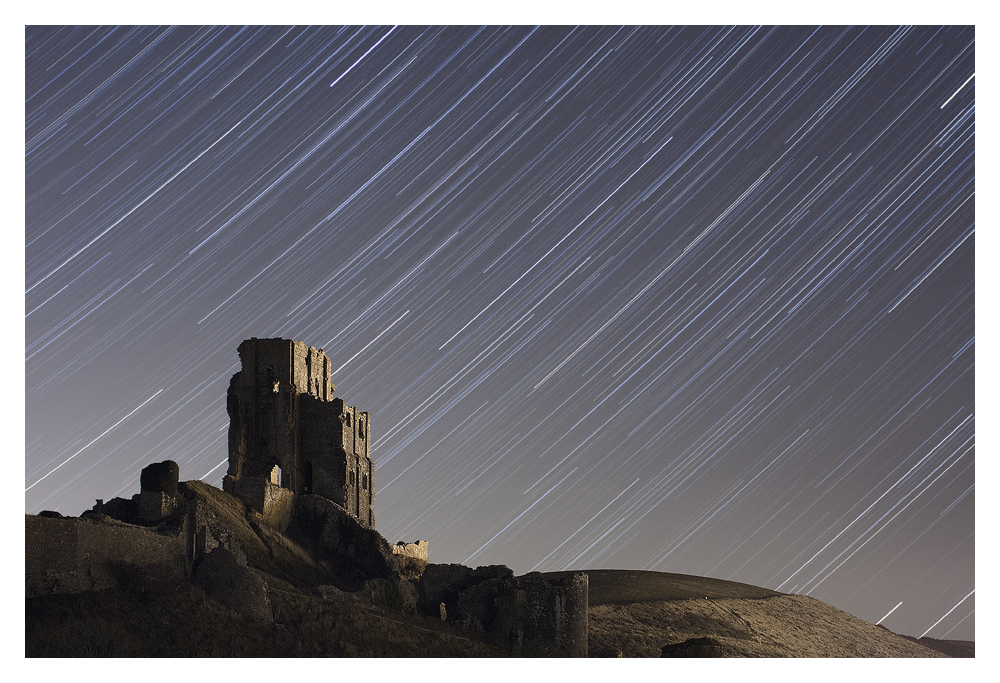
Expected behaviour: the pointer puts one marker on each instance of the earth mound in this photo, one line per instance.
(654, 614)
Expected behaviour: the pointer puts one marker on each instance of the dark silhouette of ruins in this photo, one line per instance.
(297, 505)
(287, 430)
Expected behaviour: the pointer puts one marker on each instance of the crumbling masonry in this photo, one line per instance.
(287, 433)
(299, 460)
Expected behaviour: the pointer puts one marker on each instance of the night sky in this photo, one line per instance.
(695, 300)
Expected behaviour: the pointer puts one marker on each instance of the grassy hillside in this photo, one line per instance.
(181, 621)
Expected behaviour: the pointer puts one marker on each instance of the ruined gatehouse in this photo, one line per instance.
(288, 432)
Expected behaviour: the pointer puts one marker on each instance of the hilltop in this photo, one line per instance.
(634, 614)
(212, 578)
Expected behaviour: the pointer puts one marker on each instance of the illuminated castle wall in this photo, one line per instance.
(286, 430)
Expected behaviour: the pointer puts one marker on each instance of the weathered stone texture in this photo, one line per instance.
(71, 555)
(416, 550)
(353, 551)
(158, 496)
(273, 502)
(160, 476)
(527, 615)
(334, 455)
(154, 506)
(443, 583)
(123, 509)
(283, 414)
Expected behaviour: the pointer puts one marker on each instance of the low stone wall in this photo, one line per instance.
(416, 550)
(71, 555)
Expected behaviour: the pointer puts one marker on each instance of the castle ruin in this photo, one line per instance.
(299, 461)
(289, 435)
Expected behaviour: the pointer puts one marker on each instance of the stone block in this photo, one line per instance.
(273, 502)
(443, 583)
(160, 476)
(527, 615)
(416, 550)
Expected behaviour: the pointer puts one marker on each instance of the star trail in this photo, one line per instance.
(695, 300)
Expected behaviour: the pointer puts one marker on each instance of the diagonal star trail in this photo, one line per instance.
(686, 299)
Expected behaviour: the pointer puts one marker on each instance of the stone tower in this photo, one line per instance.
(286, 431)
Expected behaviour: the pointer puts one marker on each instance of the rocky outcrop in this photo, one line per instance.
(223, 577)
(694, 647)
(352, 552)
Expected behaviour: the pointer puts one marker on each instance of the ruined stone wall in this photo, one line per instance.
(263, 405)
(310, 371)
(417, 550)
(273, 502)
(333, 454)
(294, 365)
(365, 468)
(263, 430)
(322, 456)
(528, 615)
(71, 555)
(282, 413)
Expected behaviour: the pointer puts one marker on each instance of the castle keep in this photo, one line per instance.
(288, 434)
